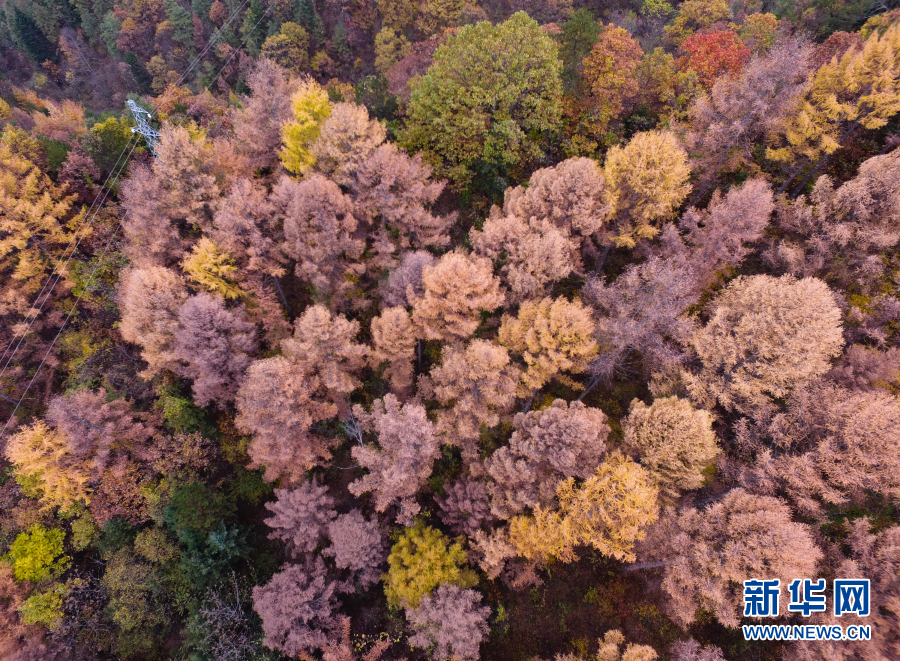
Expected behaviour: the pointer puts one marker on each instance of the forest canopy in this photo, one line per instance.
(446, 329)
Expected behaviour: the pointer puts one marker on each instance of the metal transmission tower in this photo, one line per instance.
(142, 117)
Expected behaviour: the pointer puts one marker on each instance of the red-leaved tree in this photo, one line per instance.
(713, 54)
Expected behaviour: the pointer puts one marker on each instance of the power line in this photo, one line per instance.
(109, 243)
(91, 214)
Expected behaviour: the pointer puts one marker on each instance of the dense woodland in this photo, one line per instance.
(514, 330)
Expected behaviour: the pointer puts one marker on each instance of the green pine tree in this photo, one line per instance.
(32, 40)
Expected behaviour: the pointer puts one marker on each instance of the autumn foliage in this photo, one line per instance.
(713, 54)
(445, 329)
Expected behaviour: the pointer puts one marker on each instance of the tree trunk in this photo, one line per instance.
(590, 386)
(530, 401)
(791, 178)
(603, 258)
(809, 176)
(647, 565)
(280, 292)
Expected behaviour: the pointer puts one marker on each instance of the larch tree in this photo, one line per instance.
(12, 595)
(153, 238)
(98, 430)
(394, 342)
(64, 121)
(571, 195)
(538, 236)
(404, 283)
(568, 438)
(864, 368)
(451, 622)
(608, 512)
(278, 403)
(611, 649)
(214, 344)
(180, 189)
(647, 181)
(764, 336)
(531, 255)
(310, 108)
(456, 291)
(93, 450)
(491, 94)
(831, 446)
(641, 313)
(673, 440)
(298, 608)
(467, 506)
(402, 462)
(244, 226)
(300, 516)
(877, 558)
(80, 174)
(34, 228)
(421, 560)
(149, 300)
(547, 446)
(35, 231)
(480, 383)
(860, 90)
(551, 336)
(517, 484)
(347, 138)
(608, 76)
(212, 268)
(840, 233)
(323, 343)
(397, 189)
(715, 238)
(319, 233)
(257, 125)
(836, 45)
(357, 545)
(691, 650)
(709, 553)
(737, 114)
(41, 455)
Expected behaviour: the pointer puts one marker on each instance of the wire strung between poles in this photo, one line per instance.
(108, 244)
(91, 214)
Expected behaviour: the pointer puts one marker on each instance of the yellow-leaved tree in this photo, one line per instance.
(34, 226)
(422, 559)
(859, 90)
(647, 180)
(212, 267)
(311, 108)
(43, 462)
(675, 441)
(608, 511)
(552, 336)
